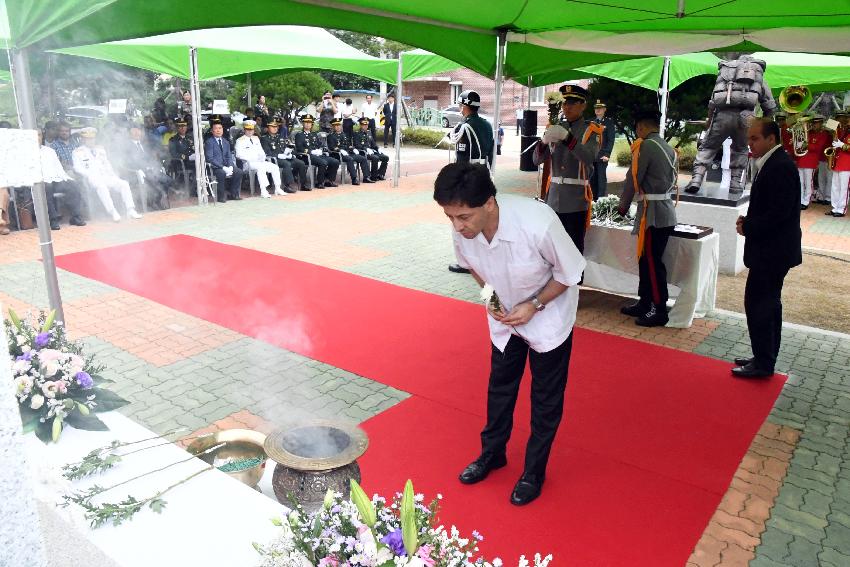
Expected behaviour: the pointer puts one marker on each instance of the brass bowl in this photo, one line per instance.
(238, 444)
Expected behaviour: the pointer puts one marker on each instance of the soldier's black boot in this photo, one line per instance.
(656, 316)
(636, 309)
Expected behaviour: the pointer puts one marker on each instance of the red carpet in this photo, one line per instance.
(650, 440)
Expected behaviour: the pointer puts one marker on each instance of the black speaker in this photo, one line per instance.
(526, 158)
(529, 123)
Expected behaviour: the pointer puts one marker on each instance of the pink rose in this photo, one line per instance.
(329, 562)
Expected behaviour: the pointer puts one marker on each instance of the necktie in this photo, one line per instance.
(221, 146)
(141, 149)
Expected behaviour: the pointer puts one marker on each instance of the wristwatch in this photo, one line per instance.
(537, 305)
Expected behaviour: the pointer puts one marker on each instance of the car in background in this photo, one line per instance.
(451, 116)
(86, 115)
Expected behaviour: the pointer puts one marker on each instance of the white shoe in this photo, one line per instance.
(115, 216)
(264, 194)
(279, 191)
(133, 214)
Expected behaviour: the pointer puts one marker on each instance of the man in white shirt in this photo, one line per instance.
(518, 120)
(369, 110)
(91, 161)
(56, 180)
(250, 150)
(517, 246)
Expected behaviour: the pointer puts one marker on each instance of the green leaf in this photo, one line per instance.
(14, 318)
(42, 431)
(86, 422)
(98, 379)
(409, 532)
(56, 430)
(106, 400)
(157, 505)
(49, 321)
(363, 504)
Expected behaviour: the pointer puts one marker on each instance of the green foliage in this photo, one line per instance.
(425, 137)
(368, 44)
(288, 92)
(687, 102)
(623, 157)
(687, 155)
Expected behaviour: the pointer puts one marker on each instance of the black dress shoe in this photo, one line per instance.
(829, 214)
(751, 371)
(743, 361)
(692, 189)
(355, 182)
(456, 268)
(527, 489)
(655, 317)
(367, 180)
(77, 221)
(838, 214)
(803, 207)
(478, 469)
(635, 309)
(382, 177)
(289, 189)
(306, 188)
(320, 186)
(54, 225)
(330, 184)
(236, 198)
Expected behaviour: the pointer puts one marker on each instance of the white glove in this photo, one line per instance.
(554, 133)
(228, 170)
(192, 157)
(281, 156)
(369, 151)
(837, 144)
(140, 175)
(316, 152)
(343, 153)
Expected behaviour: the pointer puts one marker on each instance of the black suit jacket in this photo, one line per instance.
(772, 225)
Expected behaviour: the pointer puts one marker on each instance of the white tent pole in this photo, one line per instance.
(200, 167)
(501, 42)
(26, 114)
(399, 102)
(250, 98)
(665, 94)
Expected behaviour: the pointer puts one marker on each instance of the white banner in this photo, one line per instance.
(117, 106)
(220, 107)
(20, 158)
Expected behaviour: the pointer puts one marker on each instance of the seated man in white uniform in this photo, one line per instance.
(250, 150)
(91, 162)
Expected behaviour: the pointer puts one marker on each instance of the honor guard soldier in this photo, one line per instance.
(181, 148)
(572, 145)
(841, 167)
(309, 143)
(339, 143)
(807, 165)
(473, 137)
(281, 149)
(650, 180)
(599, 178)
(364, 143)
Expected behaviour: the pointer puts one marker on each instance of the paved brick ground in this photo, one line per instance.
(788, 504)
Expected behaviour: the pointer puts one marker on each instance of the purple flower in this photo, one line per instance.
(395, 542)
(41, 340)
(26, 356)
(84, 380)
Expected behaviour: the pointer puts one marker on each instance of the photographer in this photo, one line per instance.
(327, 111)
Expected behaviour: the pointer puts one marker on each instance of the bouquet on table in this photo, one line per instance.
(606, 212)
(375, 533)
(56, 385)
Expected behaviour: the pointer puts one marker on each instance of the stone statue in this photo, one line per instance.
(740, 87)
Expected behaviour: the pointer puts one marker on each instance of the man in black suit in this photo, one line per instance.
(223, 163)
(772, 246)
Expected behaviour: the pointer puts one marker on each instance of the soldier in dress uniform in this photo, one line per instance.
(473, 137)
(310, 143)
(649, 180)
(841, 169)
(599, 178)
(364, 143)
(281, 149)
(338, 142)
(807, 165)
(573, 145)
(91, 162)
(182, 147)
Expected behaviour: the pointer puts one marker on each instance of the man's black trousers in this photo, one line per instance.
(652, 287)
(548, 382)
(763, 306)
(599, 179)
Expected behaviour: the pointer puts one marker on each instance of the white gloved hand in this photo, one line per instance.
(140, 175)
(837, 144)
(281, 156)
(316, 152)
(343, 153)
(192, 157)
(228, 170)
(554, 133)
(369, 151)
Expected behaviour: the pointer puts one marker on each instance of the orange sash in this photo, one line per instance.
(642, 230)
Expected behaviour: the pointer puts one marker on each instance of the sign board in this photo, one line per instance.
(117, 106)
(20, 158)
(220, 107)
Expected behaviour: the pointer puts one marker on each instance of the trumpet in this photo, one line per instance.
(831, 155)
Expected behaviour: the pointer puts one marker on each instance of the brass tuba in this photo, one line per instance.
(795, 99)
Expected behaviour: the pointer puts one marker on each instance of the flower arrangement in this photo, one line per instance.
(606, 212)
(56, 385)
(491, 298)
(554, 100)
(374, 533)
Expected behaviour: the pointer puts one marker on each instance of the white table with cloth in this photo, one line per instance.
(211, 520)
(611, 253)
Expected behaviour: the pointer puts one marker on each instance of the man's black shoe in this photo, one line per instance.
(367, 180)
(54, 225)
(692, 189)
(655, 317)
(236, 198)
(288, 189)
(382, 177)
(527, 489)
(375, 179)
(743, 361)
(635, 309)
(330, 184)
(306, 188)
(478, 469)
(829, 214)
(838, 214)
(456, 268)
(77, 221)
(751, 371)
(803, 207)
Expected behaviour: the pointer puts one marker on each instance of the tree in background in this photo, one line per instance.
(290, 92)
(368, 44)
(688, 101)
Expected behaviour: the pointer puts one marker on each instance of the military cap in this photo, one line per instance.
(181, 122)
(88, 132)
(307, 118)
(274, 122)
(573, 91)
(364, 120)
(817, 118)
(336, 122)
(600, 104)
(248, 124)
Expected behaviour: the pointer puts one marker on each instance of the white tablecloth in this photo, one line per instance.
(211, 520)
(691, 269)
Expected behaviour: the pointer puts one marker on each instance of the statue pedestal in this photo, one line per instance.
(717, 207)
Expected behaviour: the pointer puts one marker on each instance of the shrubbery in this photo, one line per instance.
(425, 137)
(687, 155)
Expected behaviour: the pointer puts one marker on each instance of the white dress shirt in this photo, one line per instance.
(761, 161)
(530, 247)
(51, 169)
(369, 110)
